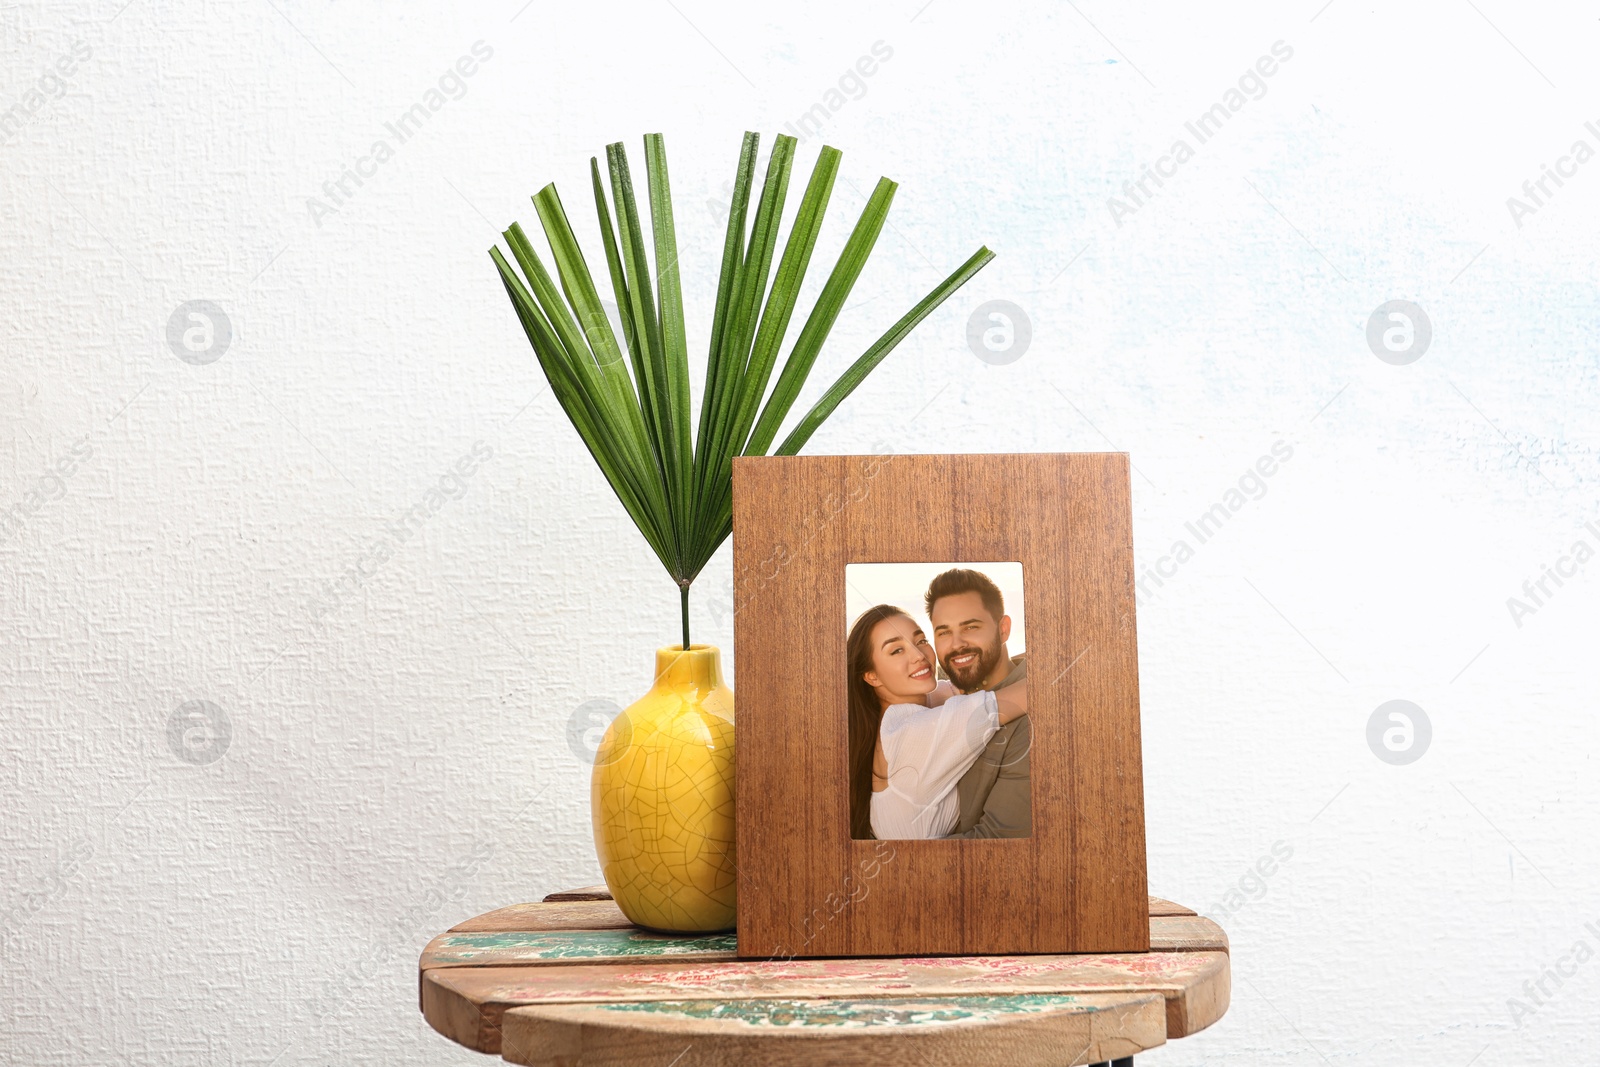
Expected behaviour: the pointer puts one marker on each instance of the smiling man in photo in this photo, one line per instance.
(970, 630)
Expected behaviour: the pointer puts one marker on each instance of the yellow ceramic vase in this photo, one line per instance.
(662, 797)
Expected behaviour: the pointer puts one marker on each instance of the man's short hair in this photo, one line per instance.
(962, 580)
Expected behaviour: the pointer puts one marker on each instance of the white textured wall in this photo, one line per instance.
(399, 754)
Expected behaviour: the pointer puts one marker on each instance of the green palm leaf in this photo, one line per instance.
(678, 490)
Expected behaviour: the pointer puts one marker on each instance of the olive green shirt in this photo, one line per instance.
(995, 793)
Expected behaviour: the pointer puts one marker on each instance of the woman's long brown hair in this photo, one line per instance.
(866, 712)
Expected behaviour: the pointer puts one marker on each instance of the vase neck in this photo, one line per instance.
(700, 667)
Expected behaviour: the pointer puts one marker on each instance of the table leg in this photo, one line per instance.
(1126, 1061)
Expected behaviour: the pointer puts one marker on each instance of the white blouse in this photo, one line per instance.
(927, 750)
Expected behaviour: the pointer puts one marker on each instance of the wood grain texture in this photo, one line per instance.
(1030, 1030)
(467, 1004)
(1158, 906)
(560, 915)
(1168, 933)
(588, 892)
(1167, 907)
(519, 948)
(1186, 933)
(1079, 883)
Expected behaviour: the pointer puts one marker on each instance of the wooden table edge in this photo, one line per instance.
(476, 1024)
(1207, 936)
(529, 1033)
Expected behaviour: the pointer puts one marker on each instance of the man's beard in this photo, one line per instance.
(972, 676)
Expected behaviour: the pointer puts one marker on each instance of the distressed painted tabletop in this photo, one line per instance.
(570, 982)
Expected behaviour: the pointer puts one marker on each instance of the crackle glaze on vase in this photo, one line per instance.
(662, 798)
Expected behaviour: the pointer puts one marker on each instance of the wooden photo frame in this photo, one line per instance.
(1077, 883)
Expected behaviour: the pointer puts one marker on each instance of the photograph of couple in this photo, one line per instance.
(938, 701)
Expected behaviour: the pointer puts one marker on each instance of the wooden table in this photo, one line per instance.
(571, 982)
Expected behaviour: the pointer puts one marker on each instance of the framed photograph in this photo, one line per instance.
(938, 706)
(936, 694)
